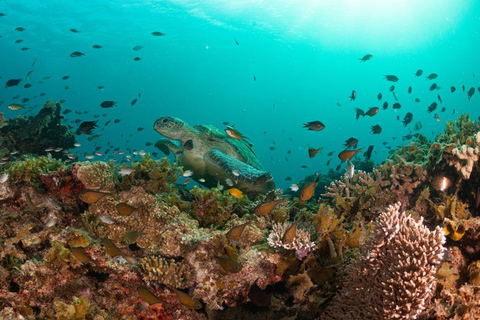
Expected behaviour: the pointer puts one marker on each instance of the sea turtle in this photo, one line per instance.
(213, 156)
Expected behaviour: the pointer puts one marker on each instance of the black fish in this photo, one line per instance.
(27, 85)
(12, 83)
(392, 88)
(409, 89)
(396, 105)
(453, 89)
(470, 93)
(432, 76)
(351, 142)
(432, 107)
(314, 125)
(417, 100)
(390, 77)
(439, 98)
(379, 96)
(76, 54)
(376, 129)
(418, 73)
(116, 121)
(359, 112)
(463, 88)
(74, 30)
(86, 127)
(107, 104)
(353, 96)
(433, 87)
(65, 77)
(140, 129)
(408, 118)
(394, 96)
(134, 101)
(385, 105)
(368, 153)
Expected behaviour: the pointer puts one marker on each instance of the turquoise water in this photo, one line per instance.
(305, 60)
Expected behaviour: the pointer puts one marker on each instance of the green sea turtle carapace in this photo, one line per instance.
(213, 156)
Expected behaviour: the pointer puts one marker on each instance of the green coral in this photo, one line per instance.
(458, 131)
(28, 169)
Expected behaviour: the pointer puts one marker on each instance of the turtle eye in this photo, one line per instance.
(164, 120)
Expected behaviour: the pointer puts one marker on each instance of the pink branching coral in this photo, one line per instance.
(395, 277)
(301, 243)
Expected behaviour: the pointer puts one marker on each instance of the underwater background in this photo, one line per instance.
(365, 113)
(305, 59)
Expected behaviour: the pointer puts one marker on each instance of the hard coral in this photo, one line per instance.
(394, 279)
(466, 157)
(301, 243)
(166, 271)
(95, 175)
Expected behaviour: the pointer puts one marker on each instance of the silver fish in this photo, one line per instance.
(350, 169)
(106, 219)
(4, 177)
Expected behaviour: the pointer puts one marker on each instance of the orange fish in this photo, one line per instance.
(347, 154)
(265, 208)
(312, 152)
(307, 191)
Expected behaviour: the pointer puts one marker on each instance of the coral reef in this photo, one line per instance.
(466, 157)
(301, 243)
(166, 271)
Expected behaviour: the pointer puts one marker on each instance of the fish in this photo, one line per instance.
(432, 107)
(470, 93)
(463, 87)
(288, 178)
(80, 254)
(125, 210)
(312, 152)
(408, 118)
(392, 88)
(157, 34)
(74, 30)
(314, 125)
(307, 191)
(294, 187)
(371, 112)
(235, 134)
(396, 105)
(266, 207)
(107, 219)
(134, 101)
(125, 171)
(137, 59)
(432, 76)
(236, 232)
(349, 143)
(329, 161)
(441, 183)
(258, 297)
(359, 113)
(137, 48)
(140, 129)
(97, 46)
(186, 300)
(187, 173)
(117, 121)
(350, 169)
(346, 155)
(132, 237)
(353, 96)
(50, 223)
(418, 73)
(91, 197)
(379, 96)
(453, 89)
(331, 152)
(236, 193)
(111, 248)
(15, 107)
(12, 83)
(228, 264)
(439, 98)
(433, 87)
(76, 54)
(417, 100)
(376, 129)
(254, 78)
(18, 41)
(94, 137)
(391, 77)
(4, 177)
(107, 104)
(394, 96)
(148, 296)
(291, 232)
(366, 58)
(409, 90)
(385, 105)
(86, 127)
(368, 154)
(20, 29)
(418, 125)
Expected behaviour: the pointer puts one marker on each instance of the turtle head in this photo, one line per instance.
(170, 127)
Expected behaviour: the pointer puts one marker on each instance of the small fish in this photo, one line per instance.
(417, 100)
(366, 58)
(76, 54)
(353, 96)
(148, 296)
(233, 133)
(418, 73)
(86, 127)
(376, 129)
(132, 236)
(187, 300)
(254, 78)
(432, 107)
(134, 101)
(125, 171)
(12, 83)
(453, 89)
(433, 87)
(350, 169)
(394, 96)
(235, 173)
(76, 144)
(111, 248)
(229, 182)
(408, 118)
(432, 76)
(15, 107)
(187, 173)
(106, 219)
(314, 125)
(80, 254)
(379, 96)
(390, 77)
(107, 104)
(236, 42)
(291, 232)
(100, 88)
(470, 93)
(91, 197)
(409, 90)
(74, 30)
(157, 34)
(359, 113)
(137, 59)
(418, 125)
(439, 98)
(346, 155)
(236, 193)
(349, 143)
(371, 112)
(201, 180)
(125, 210)
(441, 183)
(294, 187)
(97, 46)
(4, 177)
(392, 88)
(262, 179)
(236, 232)
(50, 223)
(20, 29)
(368, 153)
(312, 152)
(228, 264)
(308, 190)
(396, 105)
(266, 207)
(137, 48)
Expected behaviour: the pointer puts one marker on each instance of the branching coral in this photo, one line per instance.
(394, 279)
(301, 243)
(166, 271)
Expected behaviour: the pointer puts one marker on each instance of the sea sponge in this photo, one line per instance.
(166, 271)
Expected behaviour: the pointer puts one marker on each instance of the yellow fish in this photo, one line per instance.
(90, 197)
(15, 106)
(236, 193)
(187, 300)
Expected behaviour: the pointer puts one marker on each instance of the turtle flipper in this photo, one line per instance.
(166, 145)
(240, 172)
